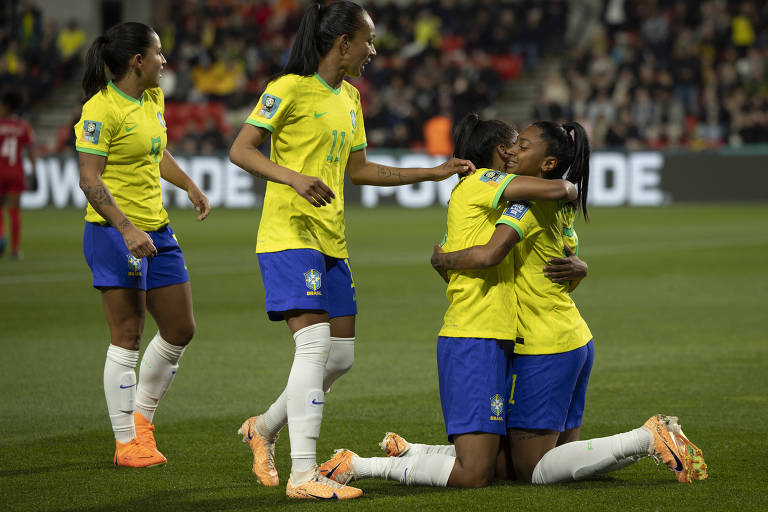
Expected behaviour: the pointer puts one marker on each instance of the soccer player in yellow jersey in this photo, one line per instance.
(133, 253)
(478, 326)
(553, 350)
(317, 134)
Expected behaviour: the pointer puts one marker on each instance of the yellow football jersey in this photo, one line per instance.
(314, 129)
(482, 302)
(131, 134)
(548, 320)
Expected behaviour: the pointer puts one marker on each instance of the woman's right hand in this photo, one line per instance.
(312, 189)
(138, 242)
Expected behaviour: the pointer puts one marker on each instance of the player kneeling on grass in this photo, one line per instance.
(553, 352)
(472, 365)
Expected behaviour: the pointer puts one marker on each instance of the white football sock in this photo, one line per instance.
(432, 470)
(582, 459)
(304, 396)
(120, 390)
(341, 355)
(158, 368)
(426, 449)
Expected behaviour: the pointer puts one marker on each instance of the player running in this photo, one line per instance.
(317, 133)
(136, 261)
(471, 349)
(553, 351)
(16, 139)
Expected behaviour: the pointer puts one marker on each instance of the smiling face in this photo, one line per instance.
(528, 156)
(502, 155)
(149, 65)
(359, 50)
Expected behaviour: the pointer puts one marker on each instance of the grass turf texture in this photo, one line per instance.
(676, 299)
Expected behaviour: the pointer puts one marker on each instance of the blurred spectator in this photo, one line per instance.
(69, 42)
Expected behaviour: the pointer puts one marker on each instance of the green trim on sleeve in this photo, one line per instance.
(91, 151)
(502, 187)
(334, 91)
(358, 147)
(121, 93)
(512, 225)
(267, 127)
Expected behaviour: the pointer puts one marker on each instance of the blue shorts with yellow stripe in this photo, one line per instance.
(113, 265)
(307, 279)
(549, 391)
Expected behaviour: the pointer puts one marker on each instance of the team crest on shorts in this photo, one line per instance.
(497, 408)
(134, 265)
(313, 280)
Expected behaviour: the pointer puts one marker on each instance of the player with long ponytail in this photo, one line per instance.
(133, 253)
(315, 121)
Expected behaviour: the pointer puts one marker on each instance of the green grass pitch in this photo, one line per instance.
(677, 299)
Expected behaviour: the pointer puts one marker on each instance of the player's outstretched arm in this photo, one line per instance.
(528, 187)
(172, 173)
(487, 255)
(363, 172)
(245, 154)
(91, 167)
(569, 269)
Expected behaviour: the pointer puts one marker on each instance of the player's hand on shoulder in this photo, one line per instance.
(451, 167)
(565, 269)
(138, 242)
(312, 189)
(200, 201)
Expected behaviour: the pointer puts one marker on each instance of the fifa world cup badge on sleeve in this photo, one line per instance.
(269, 105)
(313, 280)
(354, 119)
(134, 265)
(517, 210)
(497, 408)
(493, 177)
(91, 131)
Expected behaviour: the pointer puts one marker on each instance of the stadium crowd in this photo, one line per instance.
(645, 74)
(653, 74)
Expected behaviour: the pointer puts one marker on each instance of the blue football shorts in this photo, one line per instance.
(474, 383)
(112, 265)
(549, 391)
(307, 279)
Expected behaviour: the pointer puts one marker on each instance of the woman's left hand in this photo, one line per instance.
(200, 202)
(565, 269)
(451, 167)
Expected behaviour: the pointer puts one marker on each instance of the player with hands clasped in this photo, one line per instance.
(133, 253)
(317, 134)
(553, 350)
(478, 327)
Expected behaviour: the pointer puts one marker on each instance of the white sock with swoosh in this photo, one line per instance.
(582, 459)
(120, 390)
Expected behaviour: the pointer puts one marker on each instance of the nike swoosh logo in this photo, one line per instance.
(126, 387)
(677, 459)
(334, 497)
(329, 473)
(315, 402)
(320, 114)
(130, 128)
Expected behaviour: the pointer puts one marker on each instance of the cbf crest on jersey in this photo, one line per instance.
(354, 119)
(497, 408)
(134, 265)
(493, 176)
(313, 280)
(269, 105)
(91, 131)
